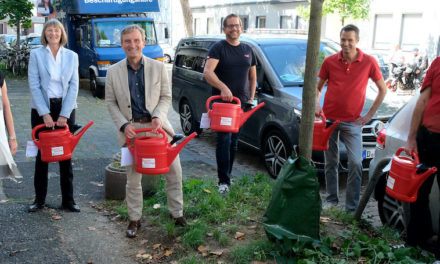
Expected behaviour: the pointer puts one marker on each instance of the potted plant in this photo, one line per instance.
(116, 179)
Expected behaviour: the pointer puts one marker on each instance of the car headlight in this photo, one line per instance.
(103, 65)
(377, 127)
(297, 112)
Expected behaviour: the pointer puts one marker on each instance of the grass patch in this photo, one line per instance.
(258, 250)
(214, 220)
(122, 211)
(195, 235)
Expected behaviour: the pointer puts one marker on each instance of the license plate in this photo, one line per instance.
(368, 153)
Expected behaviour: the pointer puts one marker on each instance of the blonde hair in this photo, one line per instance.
(54, 23)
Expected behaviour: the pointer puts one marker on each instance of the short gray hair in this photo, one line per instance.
(130, 28)
(54, 23)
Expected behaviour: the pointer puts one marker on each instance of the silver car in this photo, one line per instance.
(393, 136)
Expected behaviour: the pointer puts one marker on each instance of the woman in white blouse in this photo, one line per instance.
(53, 82)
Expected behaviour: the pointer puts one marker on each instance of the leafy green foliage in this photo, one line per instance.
(19, 13)
(356, 9)
(355, 246)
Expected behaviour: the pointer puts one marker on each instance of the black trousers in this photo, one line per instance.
(420, 224)
(41, 167)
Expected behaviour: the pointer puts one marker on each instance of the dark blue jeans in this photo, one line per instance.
(227, 144)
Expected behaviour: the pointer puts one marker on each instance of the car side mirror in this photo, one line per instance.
(167, 35)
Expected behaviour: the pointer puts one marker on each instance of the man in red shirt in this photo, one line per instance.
(346, 74)
(424, 139)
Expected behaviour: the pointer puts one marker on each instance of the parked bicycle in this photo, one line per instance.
(16, 59)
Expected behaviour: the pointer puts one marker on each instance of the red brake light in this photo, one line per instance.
(381, 138)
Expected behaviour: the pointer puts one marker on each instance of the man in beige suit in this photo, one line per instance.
(138, 96)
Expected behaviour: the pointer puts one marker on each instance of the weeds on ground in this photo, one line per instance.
(214, 220)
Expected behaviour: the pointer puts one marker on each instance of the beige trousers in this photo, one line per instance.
(133, 188)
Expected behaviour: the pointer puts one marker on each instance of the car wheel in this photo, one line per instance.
(276, 150)
(187, 119)
(97, 90)
(392, 212)
(166, 58)
(92, 82)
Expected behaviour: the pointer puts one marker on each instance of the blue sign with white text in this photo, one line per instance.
(114, 6)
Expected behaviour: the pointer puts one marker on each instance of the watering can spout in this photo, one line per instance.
(422, 177)
(173, 151)
(77, 137)
(245, 116)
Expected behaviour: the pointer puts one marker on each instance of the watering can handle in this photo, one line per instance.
(323, 117)
(146, 130)
(34, 131)
(208, 102)
(413, 154)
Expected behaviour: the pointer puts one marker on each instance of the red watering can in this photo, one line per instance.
(154, 155)
(321, 133)
(403, 181)
(57, 144)
(227, 117)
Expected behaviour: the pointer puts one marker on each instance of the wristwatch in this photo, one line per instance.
(12, 138)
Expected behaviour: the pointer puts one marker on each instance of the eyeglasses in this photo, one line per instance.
(233, 26)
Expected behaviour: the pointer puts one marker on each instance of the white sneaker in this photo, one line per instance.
(223, 188)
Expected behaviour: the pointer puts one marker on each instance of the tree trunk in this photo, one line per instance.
(187, 17)
(17, 45)
(309, 90)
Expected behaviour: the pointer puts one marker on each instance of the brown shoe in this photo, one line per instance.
(180, 221)
(132, 228)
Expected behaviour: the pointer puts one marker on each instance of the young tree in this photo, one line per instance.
(357, 9)
(187, 17)
(309, 90)
(19, 13)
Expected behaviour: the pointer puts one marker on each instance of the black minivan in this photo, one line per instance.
(273, 129)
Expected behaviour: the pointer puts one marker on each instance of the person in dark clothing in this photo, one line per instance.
(230, 69)
(424, 139)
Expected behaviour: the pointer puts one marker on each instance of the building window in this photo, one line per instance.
(286, 22)
(411, 33)
(382, 39)
(210, 25)
(197, 27)
(244, 22)
(261, 22)
(300, 23)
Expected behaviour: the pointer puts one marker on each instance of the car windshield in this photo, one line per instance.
(289, 60)
(34, 41)
(10, 38)
(108, 34)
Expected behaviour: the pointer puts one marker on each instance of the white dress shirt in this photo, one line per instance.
(55, 89)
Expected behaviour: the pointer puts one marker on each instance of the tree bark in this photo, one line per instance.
(309, 90)
(17, 45)
(187, 17)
